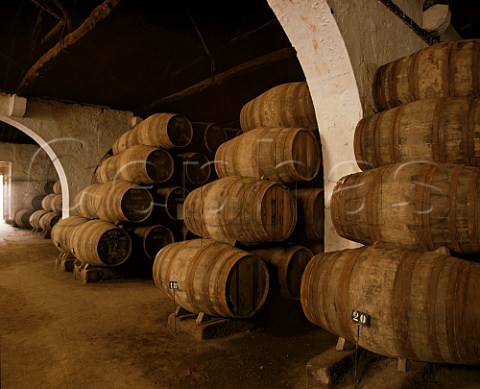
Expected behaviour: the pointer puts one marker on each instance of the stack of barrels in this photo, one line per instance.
(43, 219)
(36, 205)
(414, 205)
(138, 192)
(244, 218)
(32, 203)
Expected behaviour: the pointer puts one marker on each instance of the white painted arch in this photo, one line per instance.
(55, 160)
(322, 53)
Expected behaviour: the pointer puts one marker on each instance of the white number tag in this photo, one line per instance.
(361, 318)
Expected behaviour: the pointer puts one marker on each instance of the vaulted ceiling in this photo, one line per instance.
(204, 59)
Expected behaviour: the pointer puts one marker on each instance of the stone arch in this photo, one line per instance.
(55, 160)
(322, 53)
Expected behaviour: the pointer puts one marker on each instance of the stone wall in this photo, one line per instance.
(74, 136)
(31, 168)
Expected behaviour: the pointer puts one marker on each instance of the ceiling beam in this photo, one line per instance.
(221, 78)
(39, 67)
(46, 9)
(248, 34)
(54, 31)
(230, 46)
(63, 10)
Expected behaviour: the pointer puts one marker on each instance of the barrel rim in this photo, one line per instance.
(151, 167)
(171, 132)
(118, 230)
(206, 163)
(124, 199)
(167, 193)
(293, 207)
(317, 157)
(295, 249)
(259, 304)
(149, 230)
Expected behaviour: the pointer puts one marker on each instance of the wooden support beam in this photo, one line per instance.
(39, 67)
(230, 46)
(63, 10)
(248, 34)
(54, 31)
(221, 78)
(205, 47)
(46, 9)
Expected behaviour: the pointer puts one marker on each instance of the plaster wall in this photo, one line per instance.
(375, 36)
(31, 168)
(74, 136)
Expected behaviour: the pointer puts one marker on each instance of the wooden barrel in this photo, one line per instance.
(125, 141)
(279, 154)
(310, 210)
(145, 164)
(56, 203)
(169, 202)
(415, 204)
(57, 187)
(422, 305)
(48, 187)
(212, 277)
(62, 232)
(107, 170)
(215, 135)
(285, 105)
(242, 209)
(48, 220)
(192, 169)
(447, 69)
(22, 218)
(87, 202)
(101, 243)
(286, 264)
(445, 129)
(35, 219)
(207, 137)
(153, 238)
(164, 130)
(34, 201)
(47, 201)
(123, 201)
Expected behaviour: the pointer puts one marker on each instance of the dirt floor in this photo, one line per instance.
(59, 333)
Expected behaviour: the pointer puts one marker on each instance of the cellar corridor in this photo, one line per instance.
(262, 194)
(60, 333)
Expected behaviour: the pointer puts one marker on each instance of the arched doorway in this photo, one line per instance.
(51, 154)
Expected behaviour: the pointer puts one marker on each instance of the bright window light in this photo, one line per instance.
(1, 198)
